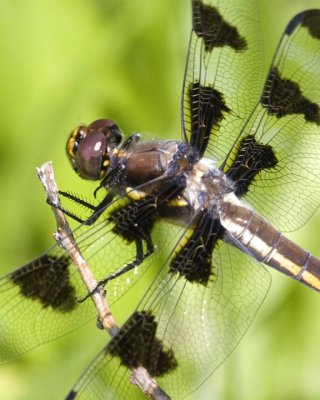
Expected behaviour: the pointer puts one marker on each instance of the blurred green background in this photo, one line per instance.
(63, 63)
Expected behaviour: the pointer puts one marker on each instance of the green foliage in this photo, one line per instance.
(70, 62)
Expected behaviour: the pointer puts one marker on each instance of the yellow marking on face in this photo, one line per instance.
(70, 146)
(71, 141)
(135, 194)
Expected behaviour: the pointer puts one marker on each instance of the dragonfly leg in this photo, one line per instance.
(139, 258)
(96, 210)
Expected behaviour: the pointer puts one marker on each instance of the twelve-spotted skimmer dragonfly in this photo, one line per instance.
(186, 203)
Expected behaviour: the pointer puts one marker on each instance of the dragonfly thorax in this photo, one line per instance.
(206, 186)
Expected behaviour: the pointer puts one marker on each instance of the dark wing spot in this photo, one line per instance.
(47, 279)
(213, 29)
(127, 222)
(311, 20)
(283, 97)
(207, 108)
(193, 259)
(137, 217)
(252, 157)
(136, 344)
(295, 21)
(71, 395)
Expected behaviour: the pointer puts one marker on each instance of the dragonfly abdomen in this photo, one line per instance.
(268, 245)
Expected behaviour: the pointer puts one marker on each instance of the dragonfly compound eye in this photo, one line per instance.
(90, 155)
(89, 148)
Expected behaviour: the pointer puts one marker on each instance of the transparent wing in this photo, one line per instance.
(198, 325)
(223, 74)
(287, 119)
(39, 301)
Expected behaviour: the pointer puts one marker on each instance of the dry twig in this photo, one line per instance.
(65, 239)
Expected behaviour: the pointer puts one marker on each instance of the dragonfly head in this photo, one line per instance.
(89, 148)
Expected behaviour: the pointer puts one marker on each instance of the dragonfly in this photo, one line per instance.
(210, 208)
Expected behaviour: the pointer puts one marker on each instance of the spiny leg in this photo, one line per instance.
(139, 259)
(96, 210)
